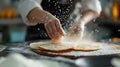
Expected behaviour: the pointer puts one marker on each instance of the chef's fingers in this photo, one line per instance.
(49, 30)
(59, 28)
(76, 30)
(71, 31)
(55, 33)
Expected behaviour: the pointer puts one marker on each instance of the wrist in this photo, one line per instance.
(38, 15)
(48, 17)
(81, 22)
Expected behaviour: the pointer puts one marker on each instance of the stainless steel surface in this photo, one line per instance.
(101, 61)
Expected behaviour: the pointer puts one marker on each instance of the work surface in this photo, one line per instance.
(23, 48)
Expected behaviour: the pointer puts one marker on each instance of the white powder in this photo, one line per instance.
(17, 60)
(115, 62)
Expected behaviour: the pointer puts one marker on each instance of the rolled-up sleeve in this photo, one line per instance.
(25, 6)
(91, 5)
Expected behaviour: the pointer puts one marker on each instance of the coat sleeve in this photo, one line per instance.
(25, 6)
(91, 5)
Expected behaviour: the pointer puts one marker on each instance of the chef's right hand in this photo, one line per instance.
(54, 28)
(51, 23)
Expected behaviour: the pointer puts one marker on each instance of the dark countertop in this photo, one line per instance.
(23, 48)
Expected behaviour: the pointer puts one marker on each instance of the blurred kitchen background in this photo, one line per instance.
(105, 27)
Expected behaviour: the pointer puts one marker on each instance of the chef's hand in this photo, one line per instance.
(77, 30)
(51, 23)
(54, 28)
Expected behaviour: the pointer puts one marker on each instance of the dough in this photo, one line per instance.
(51, 46)
(65, 46)
(58, 40)
(87, 46)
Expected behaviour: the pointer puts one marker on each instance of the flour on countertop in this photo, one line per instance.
(17, 60)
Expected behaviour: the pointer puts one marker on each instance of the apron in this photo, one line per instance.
(59, 8)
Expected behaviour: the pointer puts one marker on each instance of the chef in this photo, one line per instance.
(54, 18)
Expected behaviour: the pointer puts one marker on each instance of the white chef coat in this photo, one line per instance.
(25, 6)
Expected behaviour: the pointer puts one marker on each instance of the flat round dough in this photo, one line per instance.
(87, 46)
(82, 46)
(51, 46)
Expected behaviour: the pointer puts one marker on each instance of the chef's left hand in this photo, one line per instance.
(77, 29)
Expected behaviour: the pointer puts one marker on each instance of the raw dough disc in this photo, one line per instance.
(82, 46)
(86, 46)
(52, 47)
